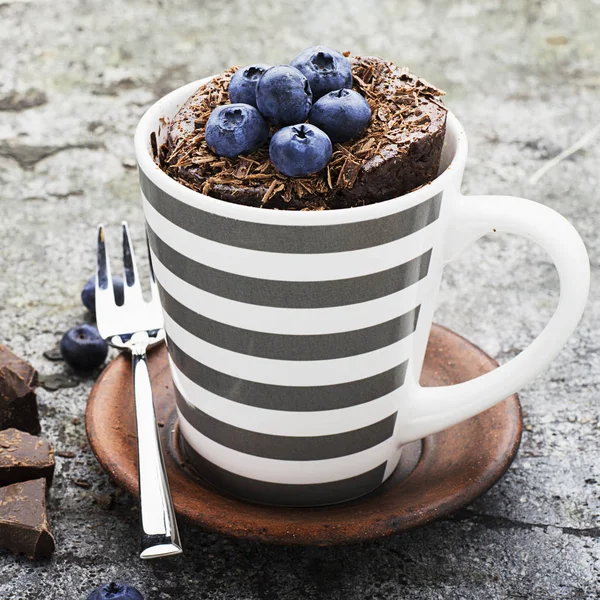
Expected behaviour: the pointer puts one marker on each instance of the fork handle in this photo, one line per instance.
(159, 532)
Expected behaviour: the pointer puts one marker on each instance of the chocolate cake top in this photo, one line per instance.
(405, 112)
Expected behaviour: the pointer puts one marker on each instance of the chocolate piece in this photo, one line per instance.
(19, 366)
(24, 457)
(23, 521)
(398, 152)
(18, 403)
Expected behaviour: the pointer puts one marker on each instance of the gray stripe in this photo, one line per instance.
(288, 398)
(290, 347)
(291, 239)
(283, 447)
(290, 294)
(283, 494)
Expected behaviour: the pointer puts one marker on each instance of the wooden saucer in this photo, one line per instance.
(436, 477)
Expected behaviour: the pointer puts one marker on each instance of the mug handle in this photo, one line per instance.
(432, 409)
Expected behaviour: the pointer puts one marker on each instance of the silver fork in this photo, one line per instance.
(135, 326)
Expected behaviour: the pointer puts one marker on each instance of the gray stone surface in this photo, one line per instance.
(524, 78)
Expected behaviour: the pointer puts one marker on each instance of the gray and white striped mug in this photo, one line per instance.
(296, 339)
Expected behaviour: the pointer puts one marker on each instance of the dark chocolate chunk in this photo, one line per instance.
(24, 457)
(82, 483)
(19, 366)
(18, 402)
(65, 454)
(23, 521)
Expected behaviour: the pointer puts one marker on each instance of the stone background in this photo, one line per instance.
(523, 76)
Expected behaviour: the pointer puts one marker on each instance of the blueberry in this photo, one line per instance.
(235, 128)
(325, 69)
(83, 348)
(115, 591)
(300, 150)
(88, 294)
(242, 87)
(283, 95)
(342, 114)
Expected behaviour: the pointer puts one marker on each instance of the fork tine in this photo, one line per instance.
(103, 278)
(128, 257)
(104, 285)
(132, 283)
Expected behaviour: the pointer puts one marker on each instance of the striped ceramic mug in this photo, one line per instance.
(296, 339)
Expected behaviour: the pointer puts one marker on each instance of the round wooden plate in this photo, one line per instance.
(436, 477)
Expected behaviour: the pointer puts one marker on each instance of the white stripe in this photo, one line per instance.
(285, 471)
(289, 423)
(290, 372)
(293, 321)
(291, 267)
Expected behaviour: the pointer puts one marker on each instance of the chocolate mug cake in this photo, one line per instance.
(297, 338)
(397, 151)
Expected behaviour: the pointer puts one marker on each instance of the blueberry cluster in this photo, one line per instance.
(316, 86)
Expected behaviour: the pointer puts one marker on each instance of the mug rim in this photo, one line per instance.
(153, 117)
